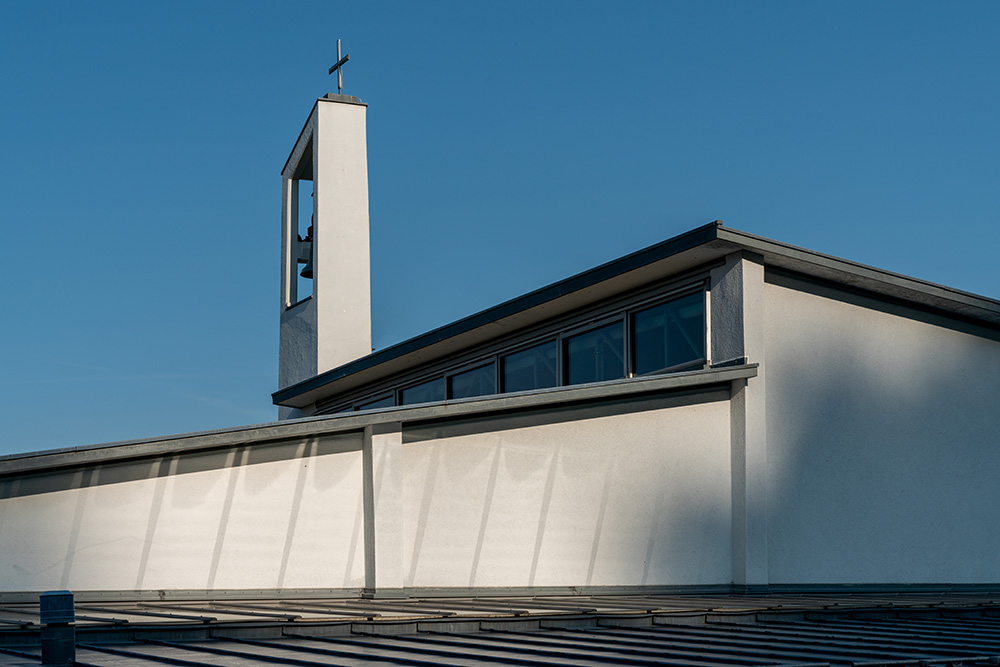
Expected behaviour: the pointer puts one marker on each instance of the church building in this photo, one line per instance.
(717, 412)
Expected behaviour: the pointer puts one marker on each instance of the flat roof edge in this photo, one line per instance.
(856, 274)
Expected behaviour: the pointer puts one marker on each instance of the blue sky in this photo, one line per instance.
(510, 145)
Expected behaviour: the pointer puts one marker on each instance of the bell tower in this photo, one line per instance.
(325, 274)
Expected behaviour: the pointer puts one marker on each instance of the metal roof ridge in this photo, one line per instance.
(741, 237)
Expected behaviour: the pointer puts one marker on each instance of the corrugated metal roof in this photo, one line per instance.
(835, 629)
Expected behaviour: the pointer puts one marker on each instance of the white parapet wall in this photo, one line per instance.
(622, 485)
(268, 516)
(629, 498)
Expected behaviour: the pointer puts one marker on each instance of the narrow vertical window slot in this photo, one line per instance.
(305, 233)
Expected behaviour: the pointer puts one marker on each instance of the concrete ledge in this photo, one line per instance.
(356, 421)
(345, 99)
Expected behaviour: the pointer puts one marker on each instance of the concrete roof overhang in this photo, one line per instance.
(692, 249)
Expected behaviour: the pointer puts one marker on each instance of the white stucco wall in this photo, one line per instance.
(341, 249)
(267, 516)
(637, 498)
(883, 437)
(624, 492)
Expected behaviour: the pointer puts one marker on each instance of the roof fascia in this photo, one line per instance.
(518, 312)
(868, 278)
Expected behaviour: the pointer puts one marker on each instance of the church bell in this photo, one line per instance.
(306, 255)
(307, 270)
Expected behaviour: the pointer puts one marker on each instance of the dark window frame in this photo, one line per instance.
(660, 301)
(364, 403)
(468, 368)
(423, 381)
(537, 342)
(564, 337)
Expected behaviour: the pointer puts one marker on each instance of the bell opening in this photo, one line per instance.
(304, 229)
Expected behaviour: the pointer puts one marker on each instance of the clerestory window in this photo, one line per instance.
(669, 335)
(596, 356)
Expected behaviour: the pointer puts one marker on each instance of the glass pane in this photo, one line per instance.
(534, 368)
(596, 355)
(423, 393)
(670, 334)
(477, 382)
(386, 402)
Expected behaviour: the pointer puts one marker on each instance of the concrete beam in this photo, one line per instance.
(737, 312)
(383, 500)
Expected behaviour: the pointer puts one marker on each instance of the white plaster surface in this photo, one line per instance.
(384, 511)
(628, 499)
(342, 256)
(190, 522)
(883, 435)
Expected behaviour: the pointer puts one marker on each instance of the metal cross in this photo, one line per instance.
(337, 68)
